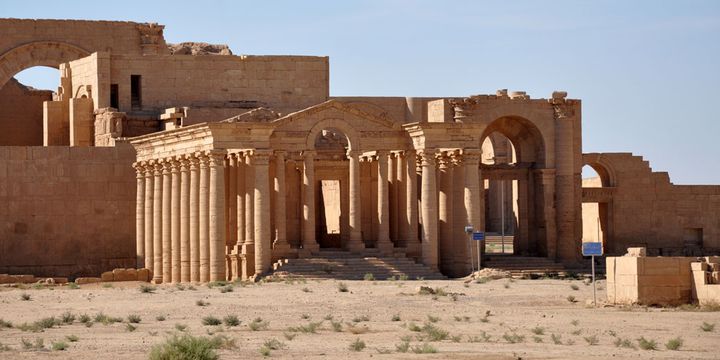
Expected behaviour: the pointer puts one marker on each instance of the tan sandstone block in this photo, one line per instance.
(60, 280)
(107, 276)
(4, 279)
(699, 266)
(132, 274)
(143, 275)
(122, 275)
(636, 252)
(23, 279)
(87, 280)
(715, 277)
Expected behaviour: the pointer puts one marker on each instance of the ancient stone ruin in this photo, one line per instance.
(200, 165)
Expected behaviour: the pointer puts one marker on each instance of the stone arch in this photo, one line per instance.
(608, 178)
(526, 138)
(350, 133)
(39, 53)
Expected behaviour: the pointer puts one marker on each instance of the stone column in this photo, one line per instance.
(355, 243)
(263, 244)
(473, 193)
(280, 245)
(139, 215)
(194, 218)
(383, 210)
(204, 223)
(567, 244)
(309, 241)
(231, 198)
(184, 220)
(236, 256)
(445, 215)
(411, 203)
(428, 197)
(547, 181)
(157, 225)
(216, 216)
(149, 213)
(248, 250)
(400, 188)
(461, 255)
(166, 222)
(175, 219)
(392, 196)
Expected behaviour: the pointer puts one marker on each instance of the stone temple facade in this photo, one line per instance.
(201, 165)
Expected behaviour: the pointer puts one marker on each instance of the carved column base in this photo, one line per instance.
(386, 247)
(356, 246)
(280, 250)
(248, 261)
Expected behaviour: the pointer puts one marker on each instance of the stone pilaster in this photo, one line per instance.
(204, 221)
(166, 221)
(280, 245)
(263, 246)
(460, 252)
(157, 225)
(308, 227)
(149, 215)
(355, 242)
(184, 220)
(139, 214)
(175, 219)
(392, 196)
(383, 210)
(216, 216)
(194, 218)
(428, 198)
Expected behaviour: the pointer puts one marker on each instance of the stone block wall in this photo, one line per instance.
(21, 120)
(649, 280)
(706, 281)
(66, 211)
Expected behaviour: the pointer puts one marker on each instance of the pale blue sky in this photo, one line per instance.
(648, 72)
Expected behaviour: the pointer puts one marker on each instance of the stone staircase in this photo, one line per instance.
(337, 264)
(524, 266)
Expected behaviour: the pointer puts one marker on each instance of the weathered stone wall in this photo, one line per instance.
(649, 280)
(21, 120)
(66, 211)
(649, 211)
(283, 83)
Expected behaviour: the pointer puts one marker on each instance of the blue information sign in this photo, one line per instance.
(592, 249)
(478, 236)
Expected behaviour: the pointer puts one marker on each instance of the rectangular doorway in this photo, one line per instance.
(329, 211)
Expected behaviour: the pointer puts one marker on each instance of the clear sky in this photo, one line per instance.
(647, 72)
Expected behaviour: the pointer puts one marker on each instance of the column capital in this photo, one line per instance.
(308, 154)
(353, 154)
(215, 158)
(261, 156)
(426, 157)
(280, 153)
(202, 159)
(157, 166)
(456, 157)
(443, 160)
(139, 167)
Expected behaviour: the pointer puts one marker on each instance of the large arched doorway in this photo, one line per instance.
(41, 53)
(597, 189)
(512, 168)
(331, 191)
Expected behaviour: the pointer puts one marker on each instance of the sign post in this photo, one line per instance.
(469, 231)
(592, 249)
(478, 236)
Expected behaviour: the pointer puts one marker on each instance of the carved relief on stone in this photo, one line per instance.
(331, 139)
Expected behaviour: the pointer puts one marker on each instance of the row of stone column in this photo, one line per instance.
(180, 217)
(437, 201)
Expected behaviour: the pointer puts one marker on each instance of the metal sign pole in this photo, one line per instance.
(478, 252)
(592, 258)
(502, 214)
(472, 266)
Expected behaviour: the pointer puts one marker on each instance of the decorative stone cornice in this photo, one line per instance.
(472, 156)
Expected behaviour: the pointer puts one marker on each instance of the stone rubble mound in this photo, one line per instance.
(199, 48)
(491, 273)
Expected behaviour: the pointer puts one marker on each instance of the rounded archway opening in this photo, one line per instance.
(501, 194)
(595, 208)
(21, 101)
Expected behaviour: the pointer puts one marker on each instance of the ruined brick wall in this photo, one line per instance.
(21, 117)
(283, 83)
(649, 211)
(66, 211)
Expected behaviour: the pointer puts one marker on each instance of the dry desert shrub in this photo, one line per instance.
(185, 347)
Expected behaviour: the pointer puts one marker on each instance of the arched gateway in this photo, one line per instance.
(223, 200)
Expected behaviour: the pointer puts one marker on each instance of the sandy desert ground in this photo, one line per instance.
(529, 319)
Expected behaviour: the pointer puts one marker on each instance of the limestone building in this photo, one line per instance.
(201, 165)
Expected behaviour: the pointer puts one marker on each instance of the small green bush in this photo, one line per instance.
(647, 344)
(674, 344)
(369, 277)
(211, 321)
(231, 320)
(59, 346)
(357, 345)
(134, 319)
(342, 287)
(185, 347)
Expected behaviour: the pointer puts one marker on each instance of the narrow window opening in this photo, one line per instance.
(135, 92)
(114, 97)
